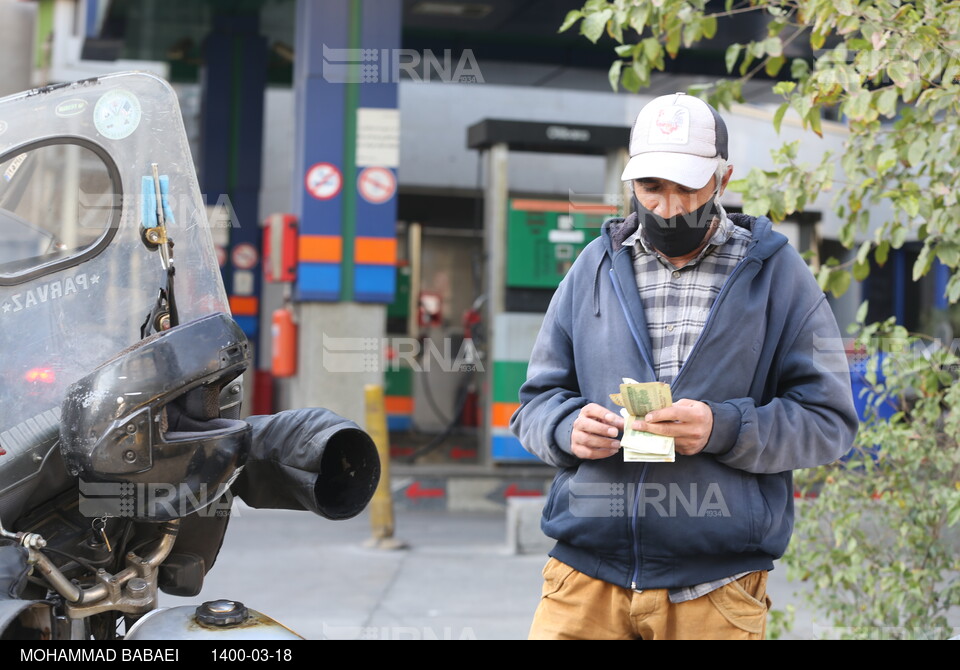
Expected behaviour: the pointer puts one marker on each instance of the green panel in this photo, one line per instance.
(44, 25)
(351, 101)
(400, 307)
(398, 382)
(542, 245)
(508, 376)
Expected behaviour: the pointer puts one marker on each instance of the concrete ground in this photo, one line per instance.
(458, 578)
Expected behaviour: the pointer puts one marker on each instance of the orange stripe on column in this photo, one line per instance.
(502, 411)
(321, 249)
(242, 306)
(562, 206)
(376, 251)
(396, 404)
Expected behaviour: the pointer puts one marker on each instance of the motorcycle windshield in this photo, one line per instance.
(76, 277)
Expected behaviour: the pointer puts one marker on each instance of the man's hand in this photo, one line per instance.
(689, 422)
(595, 433)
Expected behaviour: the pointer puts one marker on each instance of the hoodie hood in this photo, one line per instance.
(765, 243)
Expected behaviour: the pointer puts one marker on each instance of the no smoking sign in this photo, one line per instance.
(324, 181)
(377, 185)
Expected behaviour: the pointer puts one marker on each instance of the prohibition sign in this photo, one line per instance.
(244, 256)
(377, 185)
(324, 181)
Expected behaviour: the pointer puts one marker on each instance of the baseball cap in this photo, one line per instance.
(677, 137)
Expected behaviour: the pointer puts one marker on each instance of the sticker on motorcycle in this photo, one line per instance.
(45, 292)
(117, 114)
(70, 108)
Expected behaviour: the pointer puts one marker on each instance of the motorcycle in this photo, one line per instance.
(121, 442)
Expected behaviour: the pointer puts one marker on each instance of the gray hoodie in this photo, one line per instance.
(770, 365)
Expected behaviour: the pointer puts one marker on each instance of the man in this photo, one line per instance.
(723, 310)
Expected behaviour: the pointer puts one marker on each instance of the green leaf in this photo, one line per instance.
(953, 289)
(709, 26)
(673, 41)
(814, 119)
(817, 39)
(848, 24)
(949, 253)
(799, 69)
(614, 74)
(784, 87)
(630, 80)
(887, 102)
(902, 72)
(839, 282)
(778, 116)
(898, 236)
(862, 311)
(923, 263)
(864, 251)
(642, 70)
(916, 153)
(857, 105)
(594, 24)
(572, 17)
(639, 16)
(652, 49)
(882, 252)
(773, 66)
(759, 206)
(953, 516)
(861, 270)
(773, 46)
(733, 53)
(886, 161)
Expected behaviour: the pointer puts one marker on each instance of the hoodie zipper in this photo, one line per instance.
(633, 525)
(618, 291)
(635, 529)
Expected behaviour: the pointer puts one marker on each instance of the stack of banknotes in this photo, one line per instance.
(637, 400)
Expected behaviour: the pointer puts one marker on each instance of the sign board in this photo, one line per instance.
(378, 137)
(244, 256)
(324, 181)
(377, 185)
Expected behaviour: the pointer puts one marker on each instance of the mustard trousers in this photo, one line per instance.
(577, 607)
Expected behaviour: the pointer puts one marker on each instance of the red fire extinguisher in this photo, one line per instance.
(284, 332)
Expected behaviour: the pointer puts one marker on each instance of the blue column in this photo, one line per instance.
(941, 275)
(233, 84)
(347, 238)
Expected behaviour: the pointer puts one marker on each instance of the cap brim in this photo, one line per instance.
(684, 169)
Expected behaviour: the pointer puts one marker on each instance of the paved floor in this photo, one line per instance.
(456, 580)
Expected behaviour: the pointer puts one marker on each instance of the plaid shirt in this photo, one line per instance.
(676, 304)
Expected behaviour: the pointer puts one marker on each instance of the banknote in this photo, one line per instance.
(637, 400)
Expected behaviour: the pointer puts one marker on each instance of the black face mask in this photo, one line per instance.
(680, 234)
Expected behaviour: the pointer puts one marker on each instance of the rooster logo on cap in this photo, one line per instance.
(670, 120)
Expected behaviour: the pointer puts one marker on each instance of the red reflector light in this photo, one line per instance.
(42, 375)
